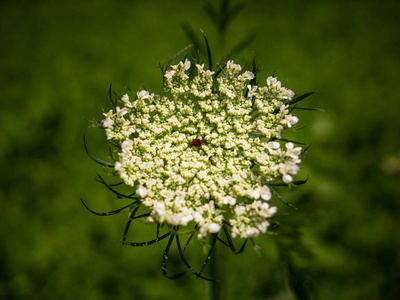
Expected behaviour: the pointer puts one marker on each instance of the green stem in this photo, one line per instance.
(218, 272)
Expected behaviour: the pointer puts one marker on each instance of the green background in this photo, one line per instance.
(57, 60)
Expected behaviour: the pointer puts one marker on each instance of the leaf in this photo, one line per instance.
(301, 97)
(196, 227)
(108, 213)
(230, 242)
(255, 70)
(305, 150)
(114, 191)
(94, 158)
(309, 108)
(215, 237)
(113, 102)
(186, 262)
(164, 268)
(128, 224)
(298, 182)
(219, 70)
(208, 51)
(273, 74)
(142, 244)
(291, 141)
(280, 198)
(173, 58)
(129, 89)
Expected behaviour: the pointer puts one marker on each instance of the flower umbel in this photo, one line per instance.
(208, 151)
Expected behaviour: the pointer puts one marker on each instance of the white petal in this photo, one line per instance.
(142, 191)
(214, 227)
(117, 166)
(289, 145)
(255, 194)
(287, 178)
(273, 210)
(265, 193)
(125, 98)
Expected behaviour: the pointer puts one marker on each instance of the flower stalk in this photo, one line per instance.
(218, 270)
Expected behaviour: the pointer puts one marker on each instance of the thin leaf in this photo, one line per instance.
(280, 198)
(128, 224)
(223, 242)
(94, 158)
(111, 184)
(110, 213)
(273, 74)
(158, 230)
(208, 51)
(291, 141)
(142, 244)
(129, 89)
(114, 191)
(219, 70)
(186, 262)
(298, 182)
(164, 261)
(230, 242)
(293, 129)
(255, 70)
(301, 97)
(305, 150)
(196, 227)
(113, 102)
(309, 108)
(215, 236)
(173, 58)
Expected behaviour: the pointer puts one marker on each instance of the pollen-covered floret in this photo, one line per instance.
(205, 154)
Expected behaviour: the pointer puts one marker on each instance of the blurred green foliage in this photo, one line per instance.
(57, 60)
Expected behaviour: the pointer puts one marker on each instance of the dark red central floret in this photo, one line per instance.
(196, 143)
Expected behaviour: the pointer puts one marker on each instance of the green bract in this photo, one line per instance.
(205, 152)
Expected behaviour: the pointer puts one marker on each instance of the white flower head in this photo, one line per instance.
(204, 152)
